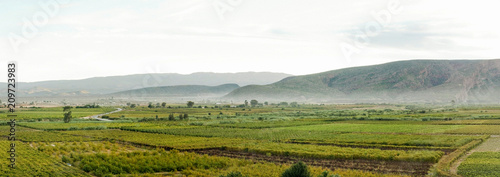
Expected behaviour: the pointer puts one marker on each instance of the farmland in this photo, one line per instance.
(212, 140)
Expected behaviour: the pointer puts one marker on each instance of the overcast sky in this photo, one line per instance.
(80, 39)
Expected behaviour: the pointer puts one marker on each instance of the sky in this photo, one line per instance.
(70, 39)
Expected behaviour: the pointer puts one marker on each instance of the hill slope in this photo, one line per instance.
(180, 92)
(111, 84)
(402, 81)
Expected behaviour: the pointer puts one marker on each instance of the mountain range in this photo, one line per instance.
(180, 92)
(112, 84)
(411, 81)
(403, 81)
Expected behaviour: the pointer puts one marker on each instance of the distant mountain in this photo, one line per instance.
(112, 84)
(403, 81)
(181, 91)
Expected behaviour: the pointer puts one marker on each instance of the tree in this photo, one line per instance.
(67, 117)
(294, 104)
(246, 103)
(150, 105)
(171, 116)
(266, 103)
(132, 105)
(254, 103)
(163, 104)
(190, 104)
(297, 170)
(67, 114)
(186, 117)
(66, 108)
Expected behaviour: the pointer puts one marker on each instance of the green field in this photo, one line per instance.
(349, 140)
(481, 164)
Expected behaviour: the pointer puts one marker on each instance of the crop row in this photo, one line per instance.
(481, 164)
(333, 152)
(282, 149)
(470, 122)
(314, 137)
(477, 129)
(30, 162)
(65, 149)
(54, 113)
(267, 124)
(80, 125)
(377, 128)
(162, 140)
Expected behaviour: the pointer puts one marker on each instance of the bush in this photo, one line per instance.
(297, 170)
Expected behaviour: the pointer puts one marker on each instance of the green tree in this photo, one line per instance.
(163, 104)
(67, 117)
(266, 103)
(297, 170)
(254, 103)
(67, 114)
(132, 105)
(186, 117)
(294, 104)
(171, 117)
(246, 103)
(190, 104)
(66, 108)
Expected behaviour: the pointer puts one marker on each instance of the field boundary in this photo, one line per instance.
(442, 168)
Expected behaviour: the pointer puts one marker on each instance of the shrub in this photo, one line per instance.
(297, 170)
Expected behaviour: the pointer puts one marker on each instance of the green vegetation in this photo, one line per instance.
(234, 140)
(481, 164)
(160, 140)
(477, 129)
(30, 162)
(67, 114)
(297, 170)
(52, 113)
(378, 128)
(80, 125)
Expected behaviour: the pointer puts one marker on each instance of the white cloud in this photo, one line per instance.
(297, 37)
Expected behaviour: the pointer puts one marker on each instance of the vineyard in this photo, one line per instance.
(347, 140)
(34, 163)
(481, 164)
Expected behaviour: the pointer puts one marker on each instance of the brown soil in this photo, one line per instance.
(397, 167)
(446, 151)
